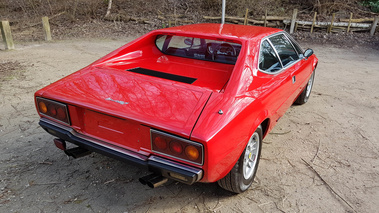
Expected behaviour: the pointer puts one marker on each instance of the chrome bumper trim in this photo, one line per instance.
(156, 164)
(96, 141)
(198, 172)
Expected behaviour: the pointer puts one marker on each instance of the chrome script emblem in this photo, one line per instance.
(120, 102)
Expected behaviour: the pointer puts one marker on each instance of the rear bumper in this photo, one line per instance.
(162, 166)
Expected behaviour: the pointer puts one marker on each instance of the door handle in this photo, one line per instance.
(293, 79)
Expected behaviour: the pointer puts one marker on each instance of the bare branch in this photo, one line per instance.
(328, 186)
(109, 8)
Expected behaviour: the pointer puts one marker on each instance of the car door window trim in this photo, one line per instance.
(283, 68)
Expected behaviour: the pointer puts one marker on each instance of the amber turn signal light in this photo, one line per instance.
(192, 153)
(176, 147)
(42, 107)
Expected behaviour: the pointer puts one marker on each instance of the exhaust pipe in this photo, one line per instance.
(77, 152)
(153, 180)
(157, 181)
(145, 179)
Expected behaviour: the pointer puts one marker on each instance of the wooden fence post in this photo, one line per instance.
(293, 21)
(7, 35)
(373, 26)
(245, 21)
(46, 28)
(265, 23)
(348, 26)
(314, 21)
(331, 23)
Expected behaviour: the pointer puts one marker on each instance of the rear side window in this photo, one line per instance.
(199, 48)
(268, 59)
(285, 49)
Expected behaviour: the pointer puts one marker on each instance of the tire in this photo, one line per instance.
(304, 95)
(240, 178)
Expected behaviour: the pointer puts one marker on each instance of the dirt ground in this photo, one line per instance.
(335, 133)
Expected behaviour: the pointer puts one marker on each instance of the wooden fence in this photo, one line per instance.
(7, 34)
(346, 25)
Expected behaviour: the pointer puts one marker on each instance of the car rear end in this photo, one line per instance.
(132, 117)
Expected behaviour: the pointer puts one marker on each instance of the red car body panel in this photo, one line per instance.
(156, 103)
(111, 104)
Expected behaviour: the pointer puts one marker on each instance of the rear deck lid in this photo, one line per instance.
(156, 102)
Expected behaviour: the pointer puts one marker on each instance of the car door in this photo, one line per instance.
(293, 65)
(278, 81)
(305, 68)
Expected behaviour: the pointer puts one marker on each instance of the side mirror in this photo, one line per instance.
(308, 53)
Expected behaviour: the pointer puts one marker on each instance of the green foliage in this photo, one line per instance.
(373, 4)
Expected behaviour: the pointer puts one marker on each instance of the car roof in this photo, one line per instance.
(228, 31)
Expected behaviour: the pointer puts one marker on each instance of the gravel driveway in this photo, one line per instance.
(321, 157)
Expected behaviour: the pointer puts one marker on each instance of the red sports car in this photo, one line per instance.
(191, 103)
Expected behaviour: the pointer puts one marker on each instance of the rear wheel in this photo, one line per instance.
(240, 178)
(304, 96)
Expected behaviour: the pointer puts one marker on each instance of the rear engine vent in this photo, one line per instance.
(163, 75)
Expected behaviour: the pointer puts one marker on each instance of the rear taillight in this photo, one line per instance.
(53, 109)
(176, 147)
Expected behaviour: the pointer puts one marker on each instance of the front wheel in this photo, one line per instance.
(304, 95)
(240, 178)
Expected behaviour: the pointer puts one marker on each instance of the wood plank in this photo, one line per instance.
(338, 24)
(348, 26)
(212, 17)
(314, 20)
(331, 23)
(46, 28)
(373, 27)
(7, 35)
(358, 20)
(245, 21)
(275, 18)
(230, 18)
(293, 21)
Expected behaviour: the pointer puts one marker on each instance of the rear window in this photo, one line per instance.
(199, 48)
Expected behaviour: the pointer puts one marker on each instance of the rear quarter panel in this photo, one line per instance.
(225, 135)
